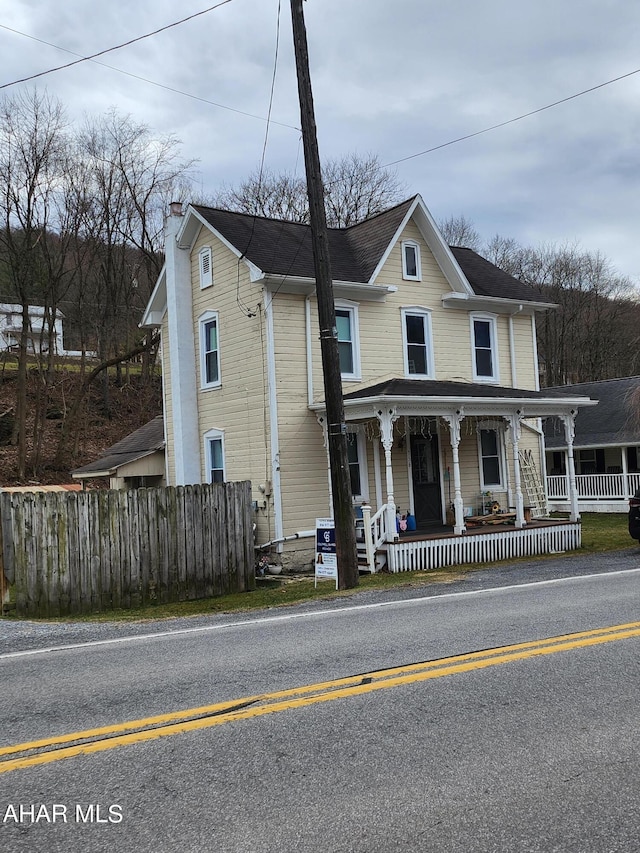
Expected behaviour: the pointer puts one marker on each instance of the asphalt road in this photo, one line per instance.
(530, 747)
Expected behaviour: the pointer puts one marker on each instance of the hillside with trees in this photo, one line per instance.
(81, 222)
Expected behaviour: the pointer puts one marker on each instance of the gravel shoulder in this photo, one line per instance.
(23, 635)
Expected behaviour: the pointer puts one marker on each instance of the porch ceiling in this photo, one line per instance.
(430, 397)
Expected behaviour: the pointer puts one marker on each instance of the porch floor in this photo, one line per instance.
(439, 531)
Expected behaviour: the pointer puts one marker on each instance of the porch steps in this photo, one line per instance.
(380, 560)
(536, 493)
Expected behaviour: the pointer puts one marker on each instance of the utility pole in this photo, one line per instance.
(336, 426)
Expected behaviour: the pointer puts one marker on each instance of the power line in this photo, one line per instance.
(116, 47)
(511, 120)
(146, 80)
(266, 132)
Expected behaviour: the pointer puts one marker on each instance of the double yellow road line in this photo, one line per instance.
(89, 741)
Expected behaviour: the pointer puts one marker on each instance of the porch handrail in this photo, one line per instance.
(375, 532)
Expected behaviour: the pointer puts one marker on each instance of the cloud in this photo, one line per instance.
(389, 78)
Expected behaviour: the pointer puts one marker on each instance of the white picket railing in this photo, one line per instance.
(428, 554)
(374, 534)
(595, 486)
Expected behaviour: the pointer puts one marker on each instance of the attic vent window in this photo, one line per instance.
(206, 267)
(411, 261)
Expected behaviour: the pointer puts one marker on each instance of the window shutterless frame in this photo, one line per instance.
(417, 343)
(348, 339)
(209, 350)
(411, 267)
(484, 347)
(214, 456)
(358, 472)
(491, 458)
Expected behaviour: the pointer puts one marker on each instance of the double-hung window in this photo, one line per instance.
(348, 341)
(418, 346)
(209, 350)
(357, 458)
(484, 348)
(491, 458)
(411, 261)
(205, 262)
(214, 456)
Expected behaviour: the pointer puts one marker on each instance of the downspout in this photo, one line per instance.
(273, 419)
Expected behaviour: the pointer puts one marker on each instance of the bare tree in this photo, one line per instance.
(355, 188)
(32, 157)
(460, 231)
(129, 177)
(582, 339)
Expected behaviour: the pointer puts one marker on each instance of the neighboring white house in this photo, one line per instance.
(38, 334)
(11, 328)
(606, 447)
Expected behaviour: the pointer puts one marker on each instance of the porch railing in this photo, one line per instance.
(374, 534)
(595, 486)
(493, 546)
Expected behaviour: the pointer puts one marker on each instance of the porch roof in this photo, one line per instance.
(428, 396)
(614, 423)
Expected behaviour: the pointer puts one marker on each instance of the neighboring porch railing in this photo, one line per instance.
(594, 486)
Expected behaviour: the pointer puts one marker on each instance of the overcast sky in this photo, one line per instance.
(390, 77)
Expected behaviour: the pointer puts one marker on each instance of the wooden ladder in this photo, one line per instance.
(534, 487)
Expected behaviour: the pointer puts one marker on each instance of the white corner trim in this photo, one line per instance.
(273, 418)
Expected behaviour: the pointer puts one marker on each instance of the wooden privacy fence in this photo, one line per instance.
(83, 552)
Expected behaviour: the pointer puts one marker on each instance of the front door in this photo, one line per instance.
(425, 467)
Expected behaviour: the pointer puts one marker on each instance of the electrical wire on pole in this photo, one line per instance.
(336, 427)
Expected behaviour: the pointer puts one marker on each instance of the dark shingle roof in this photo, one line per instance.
(456, 390)
(610, 422)
(138, 444)
(284, 248)
(486, 279)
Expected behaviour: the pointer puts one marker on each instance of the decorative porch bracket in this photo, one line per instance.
(387, 418)
(515, 432)
(454, 420)
(570, 433)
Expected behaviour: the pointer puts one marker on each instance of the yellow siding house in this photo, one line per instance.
(439, 368)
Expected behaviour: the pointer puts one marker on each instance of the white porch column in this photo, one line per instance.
(515, 431)
(625, 473)
(570, 432)
(325, 438)
(454, 420)
(387, 419)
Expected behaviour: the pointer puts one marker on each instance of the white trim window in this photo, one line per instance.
(358, 473)
(214, 456)
(491, 456)
(417, 343)
(484, 345)
(205, 264)
(348, 340)
(411, 267)
(209, 350)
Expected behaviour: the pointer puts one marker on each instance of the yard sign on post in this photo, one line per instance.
(326, 557)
